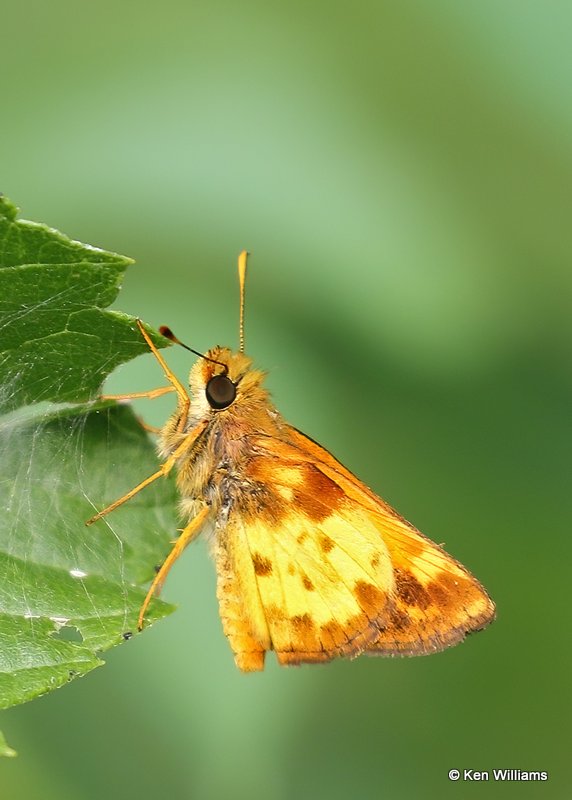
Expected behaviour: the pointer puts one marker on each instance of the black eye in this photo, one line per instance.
(220, 391)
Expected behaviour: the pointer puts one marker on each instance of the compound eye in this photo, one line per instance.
(220, 391)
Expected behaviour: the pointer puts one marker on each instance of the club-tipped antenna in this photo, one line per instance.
(242, 259)
(168, 334)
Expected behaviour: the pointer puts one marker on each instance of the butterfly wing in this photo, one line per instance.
(241, 611)
(436, 601)
(313, 565)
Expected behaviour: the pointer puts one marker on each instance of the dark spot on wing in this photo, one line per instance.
(317, 495)
(304, 637)
(438, 594)
(453, 592)
(307, 583)
(370, 598)
(302, 622)
(326, 543)
(262, 566)
(410, 591)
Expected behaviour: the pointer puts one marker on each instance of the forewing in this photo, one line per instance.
(433, 601)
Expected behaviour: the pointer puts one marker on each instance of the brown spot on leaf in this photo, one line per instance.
(307, 583)
(410, 591)
(326, 543)
(370, 598)
(262, 566)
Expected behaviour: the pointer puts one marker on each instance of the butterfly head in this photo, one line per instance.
(223, 380)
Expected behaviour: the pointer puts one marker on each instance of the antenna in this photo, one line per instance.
(168, 334)
(242, 258)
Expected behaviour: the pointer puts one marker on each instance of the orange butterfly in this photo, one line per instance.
(310, 562)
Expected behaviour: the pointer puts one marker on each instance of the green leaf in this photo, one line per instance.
(56, 340)
(60, 580)
(68, 592)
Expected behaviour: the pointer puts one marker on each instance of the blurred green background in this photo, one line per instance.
(401, 173)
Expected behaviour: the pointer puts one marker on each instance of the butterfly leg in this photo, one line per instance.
(163, 470)
(151, 394)
(187, 535)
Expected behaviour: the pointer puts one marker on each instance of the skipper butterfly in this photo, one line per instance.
(310, 562)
